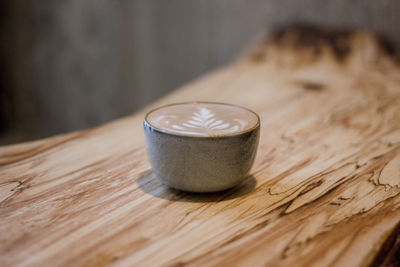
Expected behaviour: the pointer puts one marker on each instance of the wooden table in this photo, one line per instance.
(324, 190)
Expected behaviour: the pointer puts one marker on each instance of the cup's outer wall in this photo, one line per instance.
(201, 164)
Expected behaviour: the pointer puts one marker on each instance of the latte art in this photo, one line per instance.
(202, 123)
(202, 119)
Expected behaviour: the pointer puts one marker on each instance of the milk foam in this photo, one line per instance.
(202, 119)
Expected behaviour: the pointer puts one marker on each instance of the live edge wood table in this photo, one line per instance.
(324, 190)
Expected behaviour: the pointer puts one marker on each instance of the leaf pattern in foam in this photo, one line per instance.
(204, 123)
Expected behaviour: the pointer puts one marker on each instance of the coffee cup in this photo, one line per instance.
(201, 146)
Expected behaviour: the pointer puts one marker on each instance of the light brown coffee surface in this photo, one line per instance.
(202, 119)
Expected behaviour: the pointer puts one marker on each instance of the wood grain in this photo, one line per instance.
(325, 188)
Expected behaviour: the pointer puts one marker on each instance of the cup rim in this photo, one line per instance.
(165, 131)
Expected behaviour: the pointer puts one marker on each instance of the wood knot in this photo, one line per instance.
(317, 40)
(310, 85)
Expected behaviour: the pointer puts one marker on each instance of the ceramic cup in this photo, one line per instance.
(201, 146)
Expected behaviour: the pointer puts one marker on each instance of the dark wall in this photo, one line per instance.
(73, 64)
(59, 65)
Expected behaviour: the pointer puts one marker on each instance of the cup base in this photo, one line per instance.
(198, 188)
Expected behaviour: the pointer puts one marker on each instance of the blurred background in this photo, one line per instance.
(72, 64)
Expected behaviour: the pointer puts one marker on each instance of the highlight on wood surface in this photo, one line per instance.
(324, 191)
